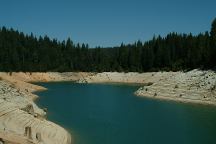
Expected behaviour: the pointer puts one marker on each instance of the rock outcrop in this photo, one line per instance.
(21, 120)
(194, 86)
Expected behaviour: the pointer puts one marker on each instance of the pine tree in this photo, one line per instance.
(213, 43)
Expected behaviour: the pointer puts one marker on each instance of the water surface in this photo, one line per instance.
(111, 114)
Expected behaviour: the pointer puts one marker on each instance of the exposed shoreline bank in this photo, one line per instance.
(195, 86)
(21, 120)
(17, 92)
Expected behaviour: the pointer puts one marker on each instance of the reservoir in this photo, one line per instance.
(112, 114)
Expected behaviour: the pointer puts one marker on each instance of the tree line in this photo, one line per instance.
(27, 53)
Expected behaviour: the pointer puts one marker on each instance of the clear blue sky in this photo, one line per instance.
(107, 22)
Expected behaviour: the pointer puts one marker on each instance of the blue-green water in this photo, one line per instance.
(111, 114)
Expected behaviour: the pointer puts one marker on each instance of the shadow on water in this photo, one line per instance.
(111, 114)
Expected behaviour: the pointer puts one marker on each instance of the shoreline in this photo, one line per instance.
(29, 115)
(195, 87)
(164, 98)
(178, 100)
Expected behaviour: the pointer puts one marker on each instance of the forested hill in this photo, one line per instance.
(20, 52)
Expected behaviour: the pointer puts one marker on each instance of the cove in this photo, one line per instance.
(112, 114)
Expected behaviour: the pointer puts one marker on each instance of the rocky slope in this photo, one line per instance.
(44, 77)
(194, 86)
(21, 120)
(131, 77)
